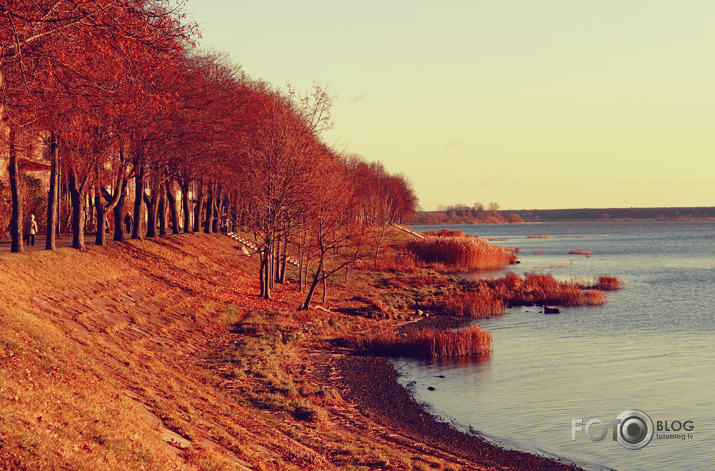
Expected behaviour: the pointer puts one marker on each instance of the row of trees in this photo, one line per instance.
(115, 91)
(463, 214)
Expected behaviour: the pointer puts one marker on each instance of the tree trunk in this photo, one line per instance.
(313, 285)
(137, 232)
(218, 202)
(325, 288)
(198, 210)
(264, 275)
(208, 224)
(77, 199)
(100, 237)
(53, 194)
(152, 204)
(119, 211)
(89, 225)
(112, 201)
(162, 217)
(284, 258)
(266, 272)
(171, 200)
(186, 203)
(16, 221)
(277, 261)
(162, 211)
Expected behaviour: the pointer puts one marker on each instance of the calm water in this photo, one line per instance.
(651, 347)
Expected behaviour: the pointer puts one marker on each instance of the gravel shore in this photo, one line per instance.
(371, 383)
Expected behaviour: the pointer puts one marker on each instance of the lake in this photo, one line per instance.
(651, 348)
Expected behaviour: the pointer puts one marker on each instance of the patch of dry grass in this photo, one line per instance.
(427, 342)
(479, 303)
(159, 355)
(461, 253)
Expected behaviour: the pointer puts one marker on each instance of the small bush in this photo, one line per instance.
(609, 283)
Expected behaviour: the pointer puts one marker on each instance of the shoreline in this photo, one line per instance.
(371, 383)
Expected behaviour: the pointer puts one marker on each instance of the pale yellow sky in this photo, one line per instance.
(531, 104)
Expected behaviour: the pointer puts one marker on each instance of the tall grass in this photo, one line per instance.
(461, 253)
(604, 283)
(485, 296)
(446, 233)
(536, 288)
(429, 342)
(480, 303)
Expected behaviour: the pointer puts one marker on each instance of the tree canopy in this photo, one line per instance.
(118, 96)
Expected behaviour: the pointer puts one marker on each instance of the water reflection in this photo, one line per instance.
(649, 347)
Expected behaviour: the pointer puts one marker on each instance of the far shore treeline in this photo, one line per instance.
(112, 119)
(462, 214)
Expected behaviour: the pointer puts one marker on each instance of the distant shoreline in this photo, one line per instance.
(464, 215)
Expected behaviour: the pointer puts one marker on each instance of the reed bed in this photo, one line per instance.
(537, 288)
(580, 252)
(428, 342)
(602, 283)
(461, 253)
(446, 233)
(537, 236)
(473, 304)
(486, 298)
(609, 283)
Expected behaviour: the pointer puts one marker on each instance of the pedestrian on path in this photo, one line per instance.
(128, 221)
(30, 230)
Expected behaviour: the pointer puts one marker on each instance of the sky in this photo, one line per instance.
(532, 104)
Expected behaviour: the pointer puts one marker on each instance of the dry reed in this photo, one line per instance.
(461, 253)
(446, 233)
(542, 289)
(580, 252)
(480, 303)
(603, 283)
(429, 342)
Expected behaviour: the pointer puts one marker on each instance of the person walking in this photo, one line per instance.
(128, 221)
(31, 230)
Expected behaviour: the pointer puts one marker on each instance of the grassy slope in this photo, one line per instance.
(158, 355)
